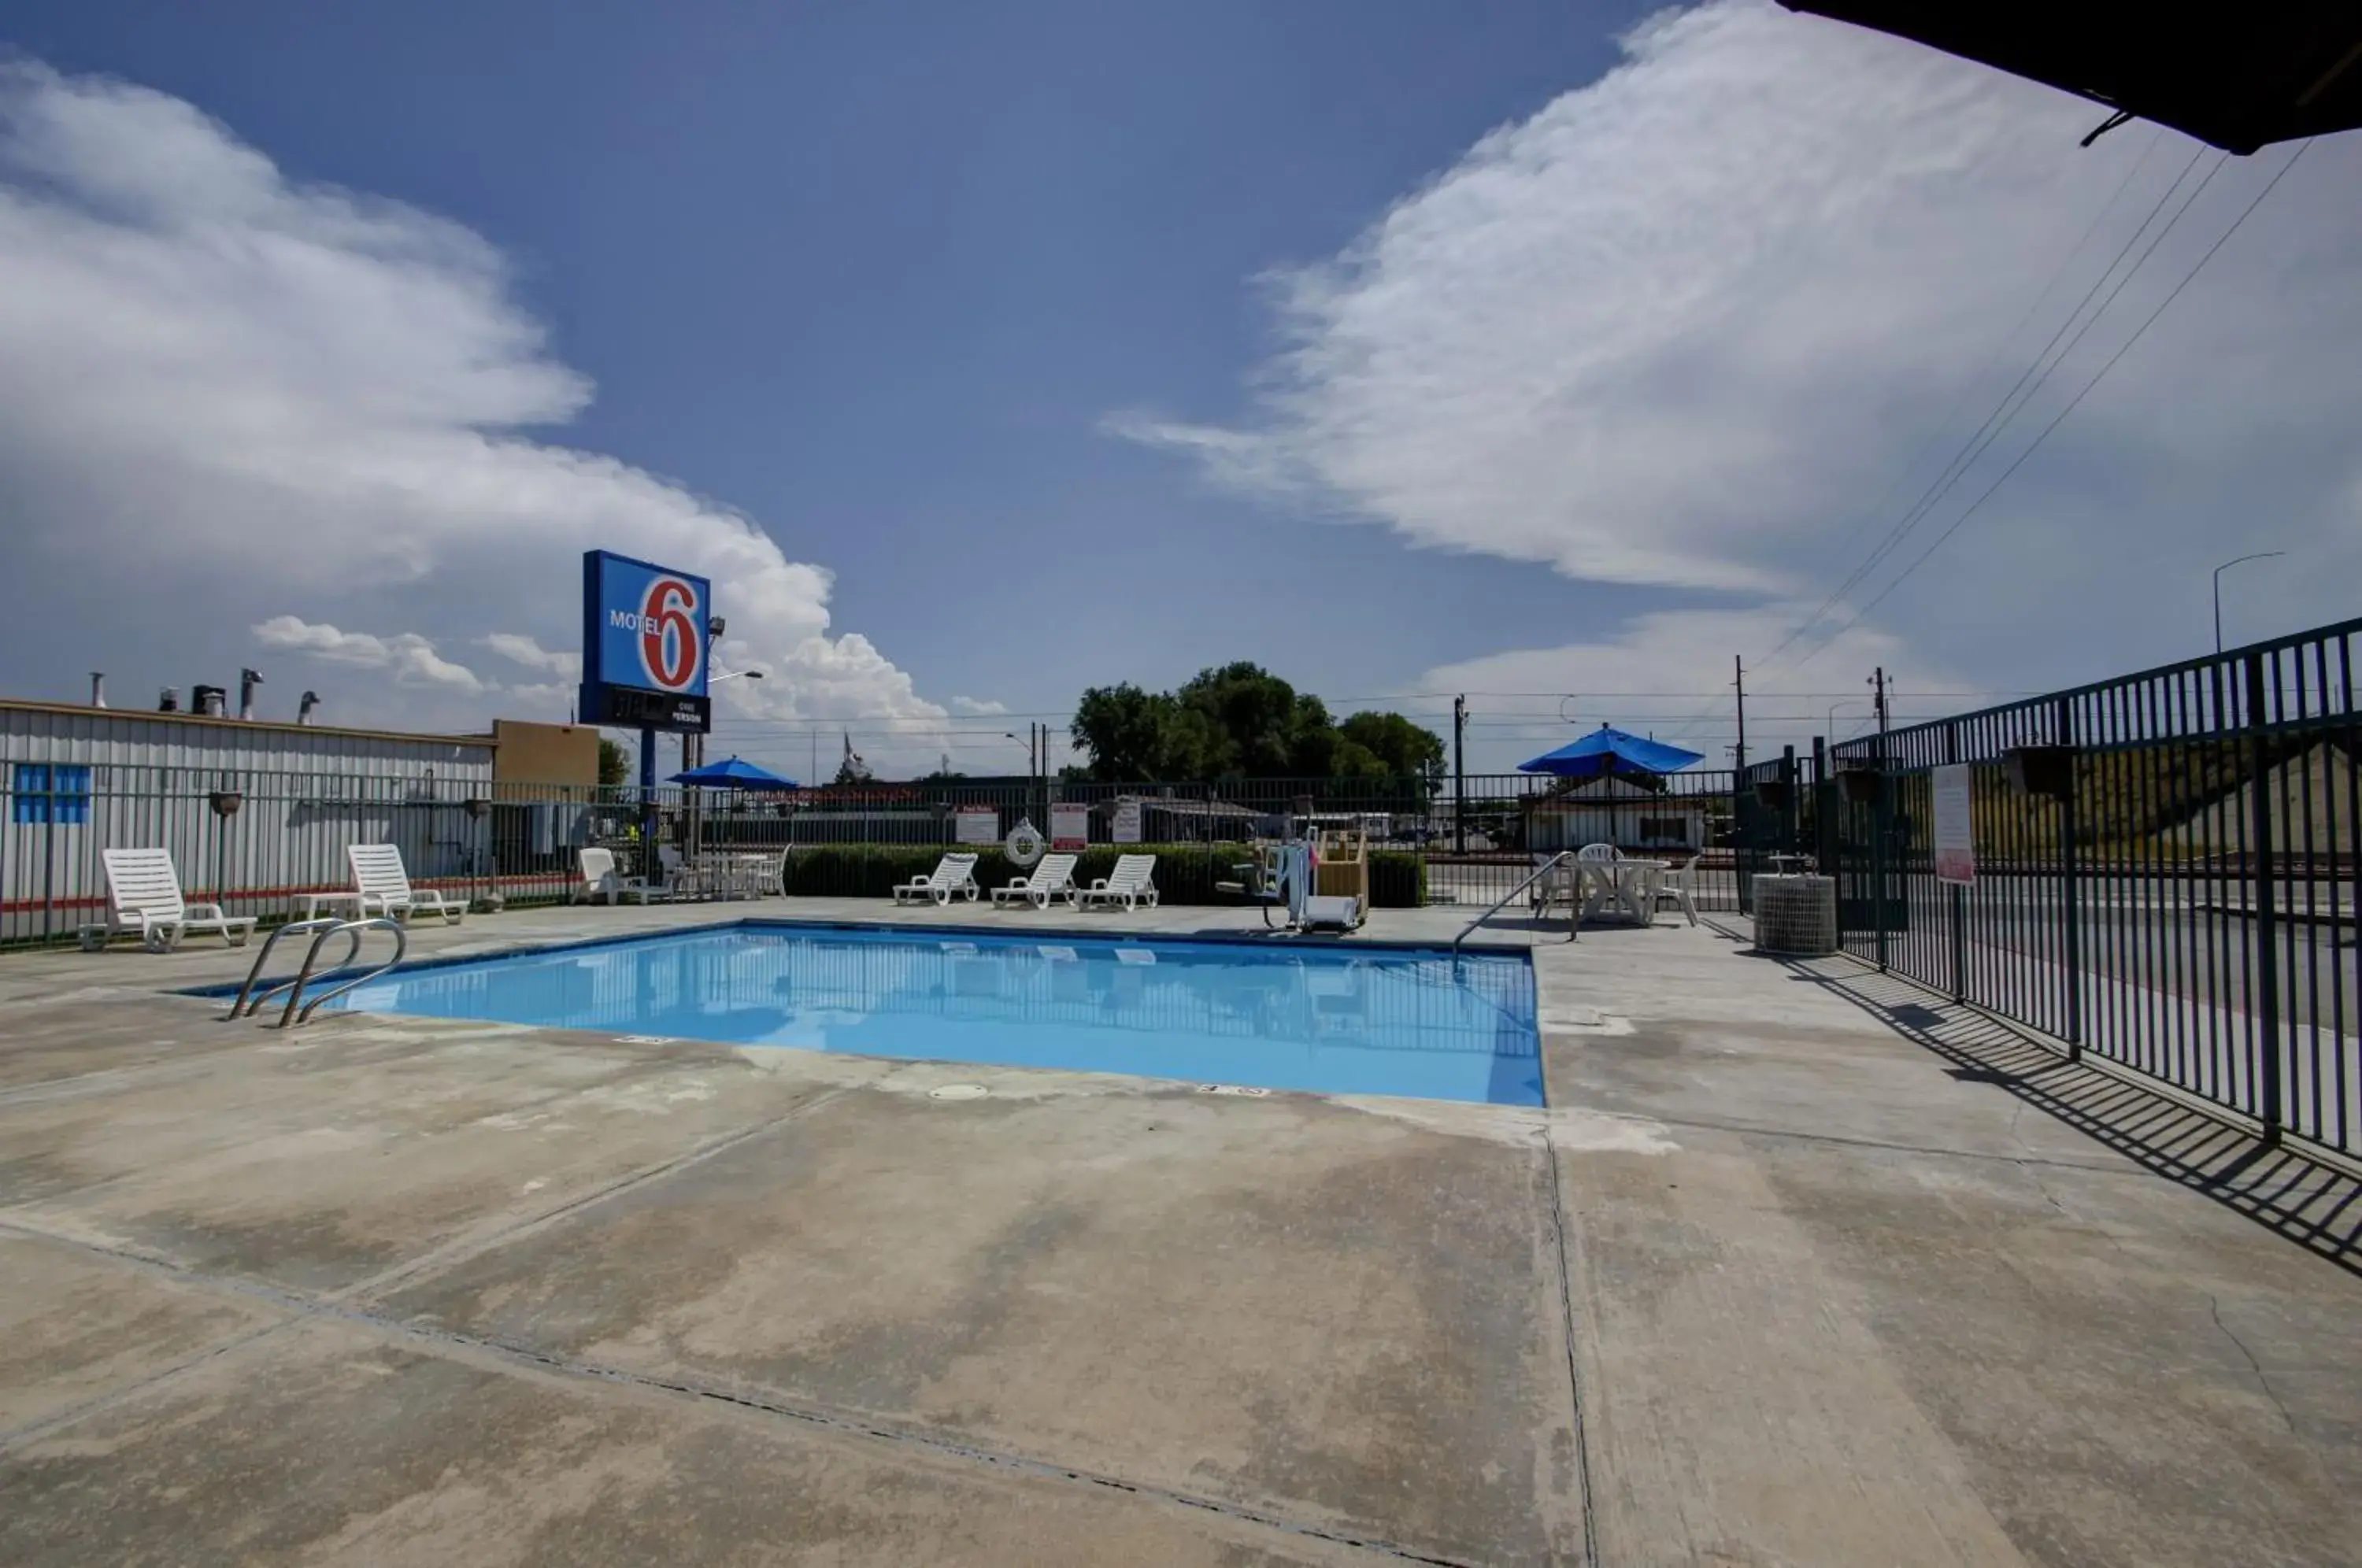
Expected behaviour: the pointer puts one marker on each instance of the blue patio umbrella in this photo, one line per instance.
(734, 773)
(1606, 750)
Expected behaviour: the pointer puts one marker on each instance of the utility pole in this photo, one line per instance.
(1739, 681)
(1879, 700)
(1459, 773)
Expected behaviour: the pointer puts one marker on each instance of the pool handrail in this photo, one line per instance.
(1574, 917)
(250, 1001)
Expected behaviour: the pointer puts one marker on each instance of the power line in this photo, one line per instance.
(2001, 344)
(2097, 377)
(2014, 402)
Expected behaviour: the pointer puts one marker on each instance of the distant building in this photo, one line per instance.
(1613, 809)
(1170, 818)
(537, 759)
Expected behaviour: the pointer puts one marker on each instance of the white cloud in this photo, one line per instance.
(408, 658)
(976, 707)
(524, 650)
(1684, 326)
(236, 389)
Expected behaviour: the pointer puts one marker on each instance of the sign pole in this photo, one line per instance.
(647, 801)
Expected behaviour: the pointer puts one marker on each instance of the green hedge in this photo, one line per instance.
(1185, 873)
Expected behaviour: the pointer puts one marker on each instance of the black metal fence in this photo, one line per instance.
(256, 841)
(2165, 873)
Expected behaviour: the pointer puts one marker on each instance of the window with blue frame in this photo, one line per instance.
(43, 792)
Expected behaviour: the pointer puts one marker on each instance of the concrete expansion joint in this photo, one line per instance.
(844, 1422)
(458, 1250)
(858, 1424)
(1579, 1416)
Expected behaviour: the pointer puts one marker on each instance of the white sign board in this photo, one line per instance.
(1126, 827)
(1956, 829)
(1070, 825)
(976, 824)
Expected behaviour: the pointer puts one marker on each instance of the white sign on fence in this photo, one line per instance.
(1956, 824)
(1070, 825)
(976, 824)
(1126, 826)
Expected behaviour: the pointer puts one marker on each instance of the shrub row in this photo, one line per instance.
(1185, 873)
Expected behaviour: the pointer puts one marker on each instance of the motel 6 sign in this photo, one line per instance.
(646, 635)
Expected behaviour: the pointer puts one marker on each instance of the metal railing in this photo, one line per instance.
(1574, 906)
(250, 1000)
(2166, 873)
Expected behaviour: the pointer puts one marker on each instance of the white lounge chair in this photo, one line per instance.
(1129, 885)
(380, 886)
(953, 873)
(143, 894)
(1053, 878)
(599, 878)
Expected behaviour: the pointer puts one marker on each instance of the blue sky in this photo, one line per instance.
(1058, 335)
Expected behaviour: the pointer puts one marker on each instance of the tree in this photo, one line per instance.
(613, 765)
(1240, 721)
(1400, 748)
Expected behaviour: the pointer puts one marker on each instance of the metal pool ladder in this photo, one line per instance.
(250, 1000)
(1574, 917)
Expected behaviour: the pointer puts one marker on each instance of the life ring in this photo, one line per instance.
(1023, 846)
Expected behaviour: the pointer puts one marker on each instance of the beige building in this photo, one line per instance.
(539, 759)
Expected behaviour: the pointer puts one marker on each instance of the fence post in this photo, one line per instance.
(1791, 808)
(2264, 902)
(1882, 818)
(1958, 912)
(1825, 838)
(2073, 913)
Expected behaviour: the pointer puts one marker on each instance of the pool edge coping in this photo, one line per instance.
(527, 946)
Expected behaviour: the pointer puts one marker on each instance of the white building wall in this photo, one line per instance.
(77, 781)
(1621, 820)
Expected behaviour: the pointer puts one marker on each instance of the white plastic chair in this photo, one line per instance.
(1559, 884)
(1673, 883)
(1595, 853)
(953, 873)
(767, 874)
(1053, 878)
(381, 884)
(143, 894)
(600, 877)
(1130, 884)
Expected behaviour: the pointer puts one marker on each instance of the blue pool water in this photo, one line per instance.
(1339, 1020)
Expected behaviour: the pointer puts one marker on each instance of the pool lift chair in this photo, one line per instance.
(1283, 875)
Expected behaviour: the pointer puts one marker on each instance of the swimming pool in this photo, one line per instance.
(1338, 1019)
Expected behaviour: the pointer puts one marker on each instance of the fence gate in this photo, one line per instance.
(1767, 811)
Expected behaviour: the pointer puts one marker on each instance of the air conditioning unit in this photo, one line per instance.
(1796, 915)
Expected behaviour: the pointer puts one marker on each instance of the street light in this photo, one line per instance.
(736, 675)
(2226, 566)
(1830, 727)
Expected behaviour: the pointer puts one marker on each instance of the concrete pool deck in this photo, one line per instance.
(1799, 1266)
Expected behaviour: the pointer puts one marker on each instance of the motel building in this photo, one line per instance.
(263, 809)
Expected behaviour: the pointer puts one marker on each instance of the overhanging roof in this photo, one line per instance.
(2237, 77)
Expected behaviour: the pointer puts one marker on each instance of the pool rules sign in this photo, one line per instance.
(1956, 832)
